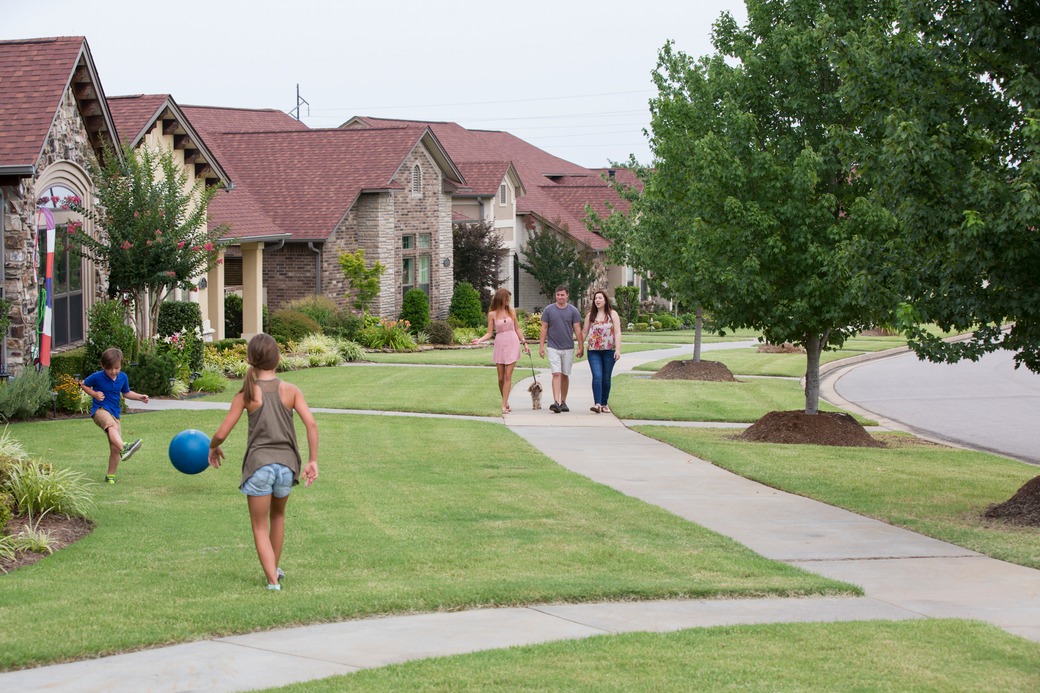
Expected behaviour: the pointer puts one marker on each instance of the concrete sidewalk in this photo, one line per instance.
(904, 575)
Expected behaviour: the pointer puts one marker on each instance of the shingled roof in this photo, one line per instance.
(555, 190)
(34, 75)
(136, 116)
(292, 179)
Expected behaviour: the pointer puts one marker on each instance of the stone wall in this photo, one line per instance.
(68, 142)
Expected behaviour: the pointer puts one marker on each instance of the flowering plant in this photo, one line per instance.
(389, 334)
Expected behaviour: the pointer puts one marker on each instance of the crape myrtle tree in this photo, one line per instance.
(952, 139)
(153, 231)
(553, 261)
(478, 256)
(753, 201)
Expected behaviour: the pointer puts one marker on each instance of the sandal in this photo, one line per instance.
(596, 408)
(605, 409)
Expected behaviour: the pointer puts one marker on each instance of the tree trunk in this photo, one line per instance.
(813, 347)
(698, 326)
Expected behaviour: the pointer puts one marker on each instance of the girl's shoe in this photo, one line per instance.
(281, 575)
(276, 587)
(605, 409)
(596, 408)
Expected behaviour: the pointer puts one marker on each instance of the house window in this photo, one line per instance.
(422, 240)
(416, 180)
(503, 194)
(67, 284)
(415, 269)
(407, 242)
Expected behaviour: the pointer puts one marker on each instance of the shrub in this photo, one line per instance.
(350, 351)
(71, 397)
(25, 396)
(69, 363)
(319, 350)
(465, 335)
(6, 509)
(668, 321)
(440, 332)
(226, 356)
(232, 315)
(465, 306)
(39, 489)
(210, 381)
(533, 327)
(321, 309)
(180, 326)
(152, 373)
(626, 302)
(108, 328)
(415, 308)
(388, 334)
(291, 362)
(291, 326)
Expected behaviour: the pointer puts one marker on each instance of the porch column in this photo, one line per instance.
(215, 297)
(252, 289)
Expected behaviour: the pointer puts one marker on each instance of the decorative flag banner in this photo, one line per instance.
(43, 358)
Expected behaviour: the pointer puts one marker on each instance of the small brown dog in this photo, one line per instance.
(536, 395)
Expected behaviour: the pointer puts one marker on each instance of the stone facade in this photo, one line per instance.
(67, 148)
(376, 222)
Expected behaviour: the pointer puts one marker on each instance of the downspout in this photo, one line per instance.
(317, 267)
(480, 206)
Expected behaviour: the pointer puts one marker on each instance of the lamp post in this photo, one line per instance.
(54, 402)
(172, 381)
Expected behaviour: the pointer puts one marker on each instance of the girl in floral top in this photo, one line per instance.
(602, 329)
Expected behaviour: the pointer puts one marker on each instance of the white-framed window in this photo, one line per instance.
(67, 318)
(503, 194)
(416, 180)
(416, 260)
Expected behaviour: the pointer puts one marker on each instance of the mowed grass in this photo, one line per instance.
(409, 515)
(480, 356)
(744, 401)
(672, 337)
(931, 489)
(925, 655)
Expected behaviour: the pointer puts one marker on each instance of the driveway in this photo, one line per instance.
(987, 404)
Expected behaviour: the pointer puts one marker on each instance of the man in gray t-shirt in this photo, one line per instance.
(561, 324)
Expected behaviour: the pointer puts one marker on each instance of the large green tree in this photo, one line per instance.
(153, 233)
(478, 253)
(753, 208)
(949, 143)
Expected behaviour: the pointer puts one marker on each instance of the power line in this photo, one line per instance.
(487, 103)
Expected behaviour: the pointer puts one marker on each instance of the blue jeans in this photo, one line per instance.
(601, 361)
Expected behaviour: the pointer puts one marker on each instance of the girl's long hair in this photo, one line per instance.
(607, 308)
(262, 355)
(500, 300)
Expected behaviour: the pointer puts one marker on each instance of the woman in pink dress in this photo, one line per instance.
(502, 323)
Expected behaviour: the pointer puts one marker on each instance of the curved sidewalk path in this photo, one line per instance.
(904, 575)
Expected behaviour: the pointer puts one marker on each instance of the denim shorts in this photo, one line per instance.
(271, 479)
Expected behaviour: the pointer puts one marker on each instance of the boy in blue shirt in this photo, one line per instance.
(106, 387)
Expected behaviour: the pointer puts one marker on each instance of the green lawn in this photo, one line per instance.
(926, 655)
(409, 515)
(479, 356)
(931, 489)
(687, 336)
(745, 401)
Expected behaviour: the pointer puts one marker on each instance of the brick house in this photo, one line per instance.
(523, 189)
(327, 191)
(54, 124)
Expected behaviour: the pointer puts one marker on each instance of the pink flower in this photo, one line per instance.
(171, 273)
(127, 245)
(54, 199)
(136, 215)
(195, 289)
(208, 247)
(196, 247)
(148, 243)
(220, 261)
(158, 232)
(180, 244)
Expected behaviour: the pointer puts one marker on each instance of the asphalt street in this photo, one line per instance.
(988, 404)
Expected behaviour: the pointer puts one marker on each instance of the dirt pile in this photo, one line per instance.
(797, 427)
(785, 348)
(712, 371)
(1023, 508)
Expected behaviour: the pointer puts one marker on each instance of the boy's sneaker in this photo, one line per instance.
(554, 408)
(110, 479)
(564, 407)
(281, 575)
(129, 449)
(275, 587)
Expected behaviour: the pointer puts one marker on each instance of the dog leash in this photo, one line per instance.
(531, 358)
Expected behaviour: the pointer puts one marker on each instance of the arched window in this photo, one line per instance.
(416, 180)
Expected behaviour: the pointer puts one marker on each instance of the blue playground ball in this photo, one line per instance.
(189, 451)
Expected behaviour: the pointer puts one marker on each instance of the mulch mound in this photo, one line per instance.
(712, 371)
(62, 529)
(1023, 508)
(785, 348)
(797, 427)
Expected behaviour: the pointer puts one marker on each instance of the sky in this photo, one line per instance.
(572, 77)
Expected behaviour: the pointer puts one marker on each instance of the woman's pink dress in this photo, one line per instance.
(507, 343)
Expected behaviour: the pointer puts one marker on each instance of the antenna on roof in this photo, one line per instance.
(295, 113)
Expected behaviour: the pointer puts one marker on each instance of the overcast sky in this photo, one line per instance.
(570, 76)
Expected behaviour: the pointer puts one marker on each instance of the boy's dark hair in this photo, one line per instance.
(111, 357)
(563, 288)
